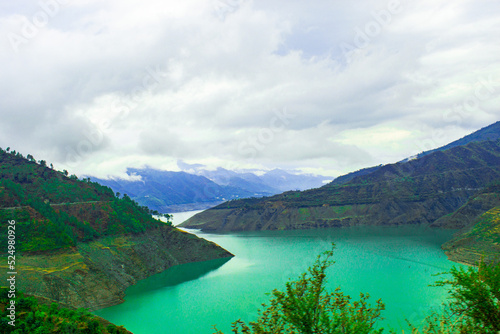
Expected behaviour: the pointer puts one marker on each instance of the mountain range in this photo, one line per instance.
(167, 191)
(431, 188)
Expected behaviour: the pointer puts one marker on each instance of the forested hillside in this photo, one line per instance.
(78, 244)
(36, 317)
(56, 211)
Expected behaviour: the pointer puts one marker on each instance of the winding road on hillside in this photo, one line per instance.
(55, 204)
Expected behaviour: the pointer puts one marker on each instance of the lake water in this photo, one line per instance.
(394, 264)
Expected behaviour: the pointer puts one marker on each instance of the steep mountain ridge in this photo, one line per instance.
(488, 133)
(417, 191)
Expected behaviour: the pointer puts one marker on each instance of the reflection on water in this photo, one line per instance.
(176, 275)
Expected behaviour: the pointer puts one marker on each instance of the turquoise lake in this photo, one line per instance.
(394, 264)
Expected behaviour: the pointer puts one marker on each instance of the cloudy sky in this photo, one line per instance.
(326, 87)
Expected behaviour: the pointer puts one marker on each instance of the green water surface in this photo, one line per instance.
(394, 264)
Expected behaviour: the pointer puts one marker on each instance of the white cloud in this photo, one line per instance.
(106, 85)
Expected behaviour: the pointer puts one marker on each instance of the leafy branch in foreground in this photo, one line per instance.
(475, 302)
(306, 307)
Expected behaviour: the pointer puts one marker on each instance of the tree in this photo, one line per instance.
(306, 307)
(168, 217)
(475, 295)
(475, 302)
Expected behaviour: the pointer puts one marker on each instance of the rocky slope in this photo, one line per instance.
(413, 192)
(465, 217)
(479, 224)
(95, 274)
(479, 242)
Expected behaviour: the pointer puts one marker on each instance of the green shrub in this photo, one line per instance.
(474, 305)
(306, 307)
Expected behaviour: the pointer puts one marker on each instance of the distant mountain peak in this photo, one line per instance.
(200, 188)
(185, 166)
(277, 171)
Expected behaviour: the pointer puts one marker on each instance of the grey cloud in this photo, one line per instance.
(223, 79)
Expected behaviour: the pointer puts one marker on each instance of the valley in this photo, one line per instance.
(86, 247)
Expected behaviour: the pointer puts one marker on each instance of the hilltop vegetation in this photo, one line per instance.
(30, 179)
(55, 211)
